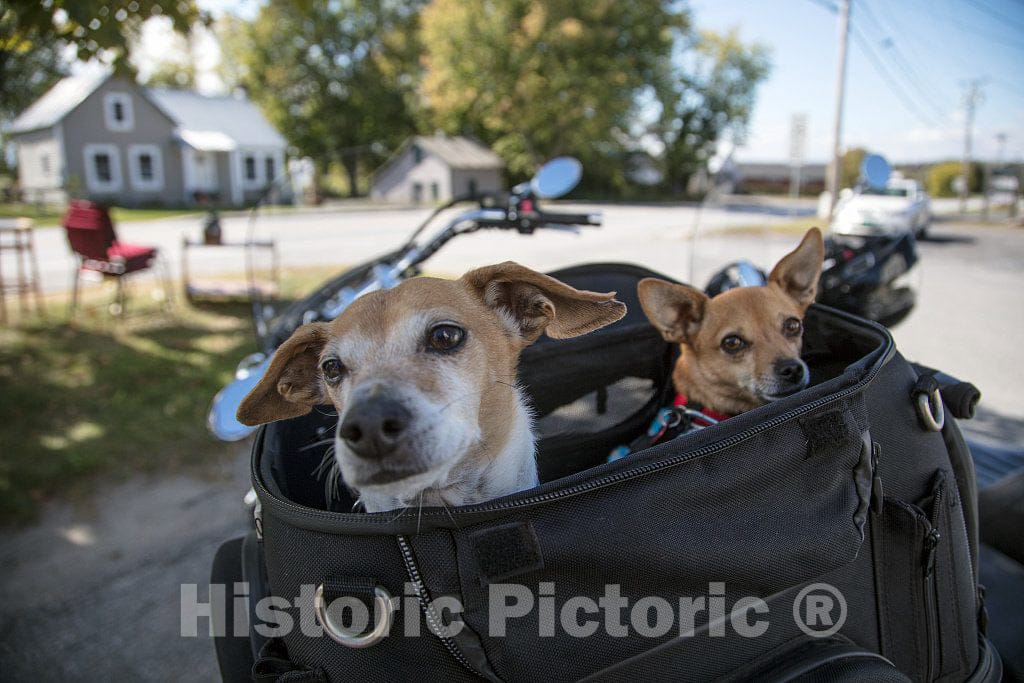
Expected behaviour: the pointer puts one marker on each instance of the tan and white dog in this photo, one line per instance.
(740, 349)
(423, 377)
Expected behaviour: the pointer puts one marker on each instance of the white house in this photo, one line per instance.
(104, 137)
(436, 168)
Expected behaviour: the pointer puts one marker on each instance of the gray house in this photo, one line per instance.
(104, 137)
(437, 168)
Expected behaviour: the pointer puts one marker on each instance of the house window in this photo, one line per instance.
(145, 167)
(102, 168)
(118, 112)
(417, 192)
(102, 163)
(417, 154)
(472, 187)
(268, 167)
(44, 163)
(250, 168)
(434, 191)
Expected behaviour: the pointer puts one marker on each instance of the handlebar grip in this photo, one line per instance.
(569, 218)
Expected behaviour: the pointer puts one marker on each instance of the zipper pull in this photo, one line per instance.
(257, 518)
(877, 494)
(931, 542)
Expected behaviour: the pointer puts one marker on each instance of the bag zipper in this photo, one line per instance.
(433, 621)
(931, 542)
(302, 512)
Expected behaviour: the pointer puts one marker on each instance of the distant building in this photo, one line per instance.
(437, 168)
(106, 138)
(755, 178)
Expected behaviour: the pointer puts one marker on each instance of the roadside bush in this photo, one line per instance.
(941, 176)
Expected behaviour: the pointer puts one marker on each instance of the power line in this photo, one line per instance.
(999, 16)
(894, 87)
(909, 72)
(830, 6)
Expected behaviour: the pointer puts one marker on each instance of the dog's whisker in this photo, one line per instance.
(400, 511)
(419, 514)
(446, 509)
(316, 444)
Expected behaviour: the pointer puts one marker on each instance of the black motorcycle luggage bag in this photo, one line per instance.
(834, 515)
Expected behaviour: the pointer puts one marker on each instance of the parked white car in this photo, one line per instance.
(902, 206)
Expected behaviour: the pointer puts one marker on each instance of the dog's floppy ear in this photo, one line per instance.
(799, 271)
(675, 310)
(536, 303)
(292, 385)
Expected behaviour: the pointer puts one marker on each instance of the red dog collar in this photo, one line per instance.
(682, 400)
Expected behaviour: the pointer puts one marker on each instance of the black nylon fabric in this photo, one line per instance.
(766, 503)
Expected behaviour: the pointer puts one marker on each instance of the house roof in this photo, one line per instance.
(58, 101)
(207, 123)
(459, 152)
(203, 119)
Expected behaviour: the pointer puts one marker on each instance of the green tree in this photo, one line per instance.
(34, 34)
(334, 76)
(537, 78)
(709, 95)
(173, 75)
(849, 166)
(942, 175)
(96, 28)
(29, 64)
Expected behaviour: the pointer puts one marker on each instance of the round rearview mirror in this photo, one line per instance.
(221, 419)
(875, 171)
(556, 178)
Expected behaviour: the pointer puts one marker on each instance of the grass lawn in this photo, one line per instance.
(796, 226)
(51, 214)
(110, 398)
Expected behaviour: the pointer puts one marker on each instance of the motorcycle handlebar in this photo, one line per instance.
(568, 218)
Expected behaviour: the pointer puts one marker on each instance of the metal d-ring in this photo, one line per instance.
(382, 614)
(929, 407)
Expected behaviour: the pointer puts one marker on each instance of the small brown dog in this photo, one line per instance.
(740, 349)
(423, 377)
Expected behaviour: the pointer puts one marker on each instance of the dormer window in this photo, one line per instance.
(117, 111)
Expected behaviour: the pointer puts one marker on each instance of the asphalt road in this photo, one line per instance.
(92, 591)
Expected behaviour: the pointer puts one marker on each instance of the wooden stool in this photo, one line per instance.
(16, 236)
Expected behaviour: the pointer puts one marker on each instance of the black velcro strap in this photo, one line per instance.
(828, 431)
(505, 551)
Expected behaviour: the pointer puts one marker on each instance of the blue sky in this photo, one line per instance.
(927, 48)
(937, 44)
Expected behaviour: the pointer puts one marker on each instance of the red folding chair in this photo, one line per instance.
(92, 238)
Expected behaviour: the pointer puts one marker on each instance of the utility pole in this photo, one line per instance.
(971, 99)
(837, 124)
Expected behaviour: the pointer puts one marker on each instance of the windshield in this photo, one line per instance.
(888, 191)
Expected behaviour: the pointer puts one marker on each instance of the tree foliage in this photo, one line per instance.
(941, 177)
(849, 166)
(534, 79)
(29, 64)
(335, 77)
(33, 36)
(709, 94)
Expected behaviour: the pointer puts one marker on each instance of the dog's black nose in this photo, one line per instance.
(790, 370)
(374, 427)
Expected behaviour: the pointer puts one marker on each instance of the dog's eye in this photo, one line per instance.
(792, 327)
(333, 370)
(733, 344)
(445, 337)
